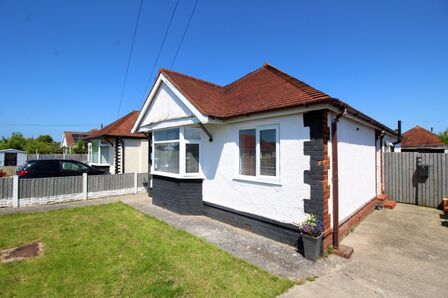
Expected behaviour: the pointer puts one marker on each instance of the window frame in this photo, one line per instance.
(258, 177)
(182, 154)
(101, 143)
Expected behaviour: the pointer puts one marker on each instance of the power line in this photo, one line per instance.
(185, 32)
(161, 47)
(41, 124)
(129, 57)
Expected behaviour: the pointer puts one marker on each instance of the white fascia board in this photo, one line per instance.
(361, 121)
(169, 124)
(271, 114)
(163, 79)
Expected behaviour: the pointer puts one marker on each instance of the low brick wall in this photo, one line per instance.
(183, 196)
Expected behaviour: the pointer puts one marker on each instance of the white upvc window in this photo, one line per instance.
(99, 152)
(259, 154)
(176, 152)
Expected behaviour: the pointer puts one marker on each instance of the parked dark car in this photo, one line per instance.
(56, 168)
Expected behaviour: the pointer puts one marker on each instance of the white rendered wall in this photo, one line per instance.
(356, 166)
(21, 159)
(136, 155)
(219, 162)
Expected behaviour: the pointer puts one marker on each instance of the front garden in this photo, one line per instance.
(113, 250)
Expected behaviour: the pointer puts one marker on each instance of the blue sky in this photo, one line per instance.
(63, 62)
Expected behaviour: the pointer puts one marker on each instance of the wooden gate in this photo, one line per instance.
(416, 178)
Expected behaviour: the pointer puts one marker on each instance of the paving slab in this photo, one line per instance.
(274, 257)
(397, 253)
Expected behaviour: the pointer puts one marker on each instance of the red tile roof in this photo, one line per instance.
(119, 128)
(72, 137)
(264, 89)
(420, 137)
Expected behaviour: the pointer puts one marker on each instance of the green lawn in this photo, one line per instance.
(113, 250)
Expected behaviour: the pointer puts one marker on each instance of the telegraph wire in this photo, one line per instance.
(129, 57)
(160, 48)
(183, 35)
(41, 124)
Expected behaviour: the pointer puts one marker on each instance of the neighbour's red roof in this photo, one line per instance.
(420, 137)
(73, 136)
(264, 89)
(119, 128)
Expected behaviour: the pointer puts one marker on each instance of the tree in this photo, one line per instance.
(45, 139)
(444, 136)
(80, 147)
(16, 141)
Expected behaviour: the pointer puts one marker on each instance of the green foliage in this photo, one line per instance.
(444, 136)
(45, 139)
(80, 147)
(133, 255)
(43, 144)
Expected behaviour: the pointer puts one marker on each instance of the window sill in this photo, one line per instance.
(100, 164)
(178, 176)
(256, 180)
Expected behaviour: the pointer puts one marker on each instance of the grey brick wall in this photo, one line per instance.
(183, 196)
(266, 227)
(317, 175)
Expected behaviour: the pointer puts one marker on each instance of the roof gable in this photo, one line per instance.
(165, 105)
(420, 137)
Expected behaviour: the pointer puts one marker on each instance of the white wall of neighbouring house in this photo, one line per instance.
(356, 166)
(136, 155)
(282, 201)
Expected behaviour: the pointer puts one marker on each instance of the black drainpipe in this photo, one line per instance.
(122, 156)
(116, 155)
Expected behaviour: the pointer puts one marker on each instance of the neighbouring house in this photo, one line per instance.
(12, 157)
(421, 140)
(116, 149)
(262, 153)
(70, 138)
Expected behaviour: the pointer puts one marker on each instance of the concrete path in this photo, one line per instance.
(74, 204)
(398, 253)
(274, 257)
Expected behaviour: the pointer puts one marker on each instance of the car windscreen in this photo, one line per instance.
(25, 165)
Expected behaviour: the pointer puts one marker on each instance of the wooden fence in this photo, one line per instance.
(16, 192)
(78, 157)
(408, 180)
(9, 170)
(49, 187)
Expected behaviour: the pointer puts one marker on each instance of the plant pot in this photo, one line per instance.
(445, 204)
(312, 246)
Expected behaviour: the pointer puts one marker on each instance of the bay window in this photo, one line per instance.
(99, 152)
(258, 153)
(177, 151)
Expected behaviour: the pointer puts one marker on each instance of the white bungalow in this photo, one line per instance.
(262, 153)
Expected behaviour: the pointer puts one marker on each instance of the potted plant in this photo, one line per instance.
(311, 231)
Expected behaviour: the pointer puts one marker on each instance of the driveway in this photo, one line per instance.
(398, 253)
